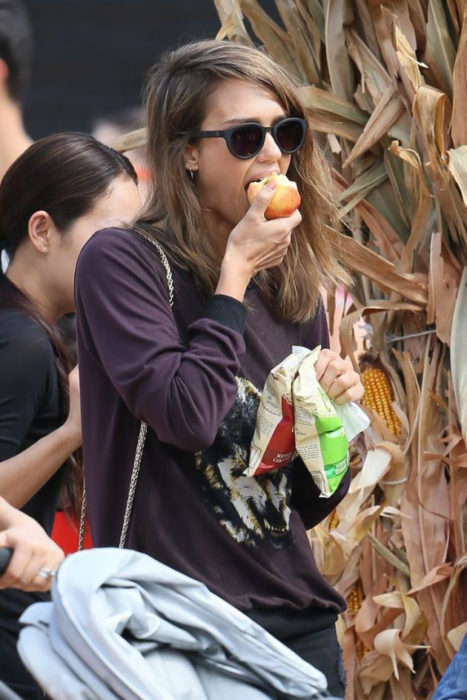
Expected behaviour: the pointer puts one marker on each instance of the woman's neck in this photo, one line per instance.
(32, 286)
(218, 231)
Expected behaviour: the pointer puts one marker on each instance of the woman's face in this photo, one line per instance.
(118, 206)
(222, 178)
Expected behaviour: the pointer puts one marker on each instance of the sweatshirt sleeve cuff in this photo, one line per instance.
(228, 311)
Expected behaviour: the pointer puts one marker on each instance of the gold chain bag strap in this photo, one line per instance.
(143, 429)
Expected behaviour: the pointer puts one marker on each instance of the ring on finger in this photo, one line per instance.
(46, 573)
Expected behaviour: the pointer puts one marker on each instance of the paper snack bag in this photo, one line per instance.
(273, 443)
(320, 439)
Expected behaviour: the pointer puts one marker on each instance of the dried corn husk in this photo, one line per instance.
(384, 84)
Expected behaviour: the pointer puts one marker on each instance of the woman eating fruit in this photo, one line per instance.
(245, 283)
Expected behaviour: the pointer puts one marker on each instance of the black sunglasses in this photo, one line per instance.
(246, 140)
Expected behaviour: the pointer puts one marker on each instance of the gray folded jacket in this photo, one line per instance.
(122, 625)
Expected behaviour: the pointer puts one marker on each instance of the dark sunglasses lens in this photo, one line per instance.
(246, 141)
(290, 134)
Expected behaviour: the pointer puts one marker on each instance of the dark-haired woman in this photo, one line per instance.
(219, 116)
(52, 199)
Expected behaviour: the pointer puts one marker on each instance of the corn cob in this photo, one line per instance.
(354, 603)
(355, 598)
(333, 520)
(379, 396)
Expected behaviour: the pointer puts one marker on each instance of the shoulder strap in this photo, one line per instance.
(143, 428)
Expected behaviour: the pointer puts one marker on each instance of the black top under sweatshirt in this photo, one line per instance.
(29, 410)
(195, 376)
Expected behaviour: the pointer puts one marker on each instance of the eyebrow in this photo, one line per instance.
(257, 120)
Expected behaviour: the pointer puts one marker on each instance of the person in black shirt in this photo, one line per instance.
(52, 199)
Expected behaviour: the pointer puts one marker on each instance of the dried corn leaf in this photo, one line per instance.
(384, 235)
(385, 114)
(332, 124)
(367, 25)
(232, 26)
(428, 110)
(418, 19)
(454, 607)
(459, 105)
(396, 477)
(383, 23)
(409, 66)
(458, 363)
(403, 19)
(440, 53)
(456, 635)
(437, 574)
(338, 15)
(425, 500)
(361, 526)
(330, 551)
(319, 100)
(421, 199)
(415, 624)
(458, 168)
(375, 466)
(314, 8)
(442, 290)
(349, 652)
(361, 259)
(401, 189)
(348, 322)
(305, 35)
(131, 140)
(375, 79)
(383, 199)
(370, 620)
(375, 669)
(389, 643)
(362, 186)
(278, 43)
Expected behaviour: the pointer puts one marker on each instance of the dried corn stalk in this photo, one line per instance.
(384, 83)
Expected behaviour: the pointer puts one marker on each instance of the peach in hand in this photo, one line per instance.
(285, 200)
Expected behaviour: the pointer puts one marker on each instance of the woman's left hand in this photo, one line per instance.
(338, 378)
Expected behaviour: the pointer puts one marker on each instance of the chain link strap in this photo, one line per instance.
(143, 429)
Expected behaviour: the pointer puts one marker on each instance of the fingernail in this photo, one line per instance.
(272, 184)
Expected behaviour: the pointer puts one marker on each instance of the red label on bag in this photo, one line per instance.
(281, 447)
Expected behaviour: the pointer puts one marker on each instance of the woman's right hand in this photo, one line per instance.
(255, 244)
(73, 422)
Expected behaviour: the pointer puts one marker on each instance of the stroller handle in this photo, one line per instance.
(5, 556)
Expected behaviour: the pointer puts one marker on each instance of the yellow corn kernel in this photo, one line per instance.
(378, 397)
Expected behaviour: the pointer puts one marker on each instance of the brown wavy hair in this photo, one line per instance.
(176, 94)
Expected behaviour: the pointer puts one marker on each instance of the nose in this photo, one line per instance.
(270, 149)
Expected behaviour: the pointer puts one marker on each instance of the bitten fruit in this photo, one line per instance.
(286, 198)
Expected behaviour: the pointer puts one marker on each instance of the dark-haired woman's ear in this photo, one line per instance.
(40, 230)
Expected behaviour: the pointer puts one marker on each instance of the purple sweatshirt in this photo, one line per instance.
(194, 375)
